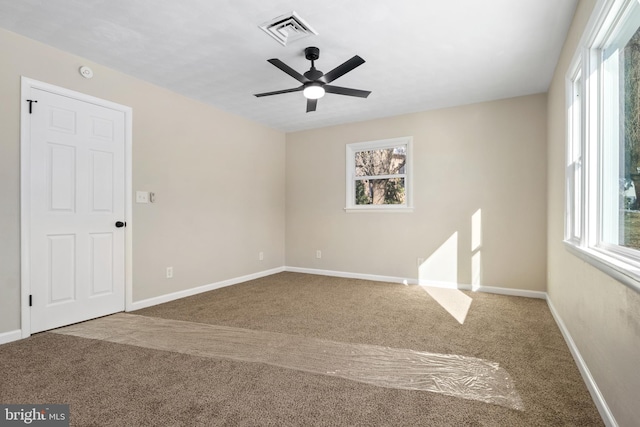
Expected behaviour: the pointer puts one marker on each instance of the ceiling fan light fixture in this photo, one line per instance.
(313, 91)
(315, 83)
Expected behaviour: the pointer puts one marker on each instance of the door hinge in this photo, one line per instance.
(30, 300)
(31, 101)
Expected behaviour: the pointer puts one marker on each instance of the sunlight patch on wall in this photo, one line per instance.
(476, 245)
(442, 265)
(476, 230)
(438, 274)
(441, 270)
(475, 271)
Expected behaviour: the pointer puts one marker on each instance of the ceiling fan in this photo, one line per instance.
(315, 83)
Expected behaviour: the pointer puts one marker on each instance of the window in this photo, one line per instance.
(620, 218)
(602, 218)
(573, 219)
(378, 175)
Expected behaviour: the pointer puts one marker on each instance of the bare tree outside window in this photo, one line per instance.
(630, 70)
(380, 176)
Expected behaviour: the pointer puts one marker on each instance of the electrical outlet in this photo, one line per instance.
(142, 197)
(318, 254)
(169, 272)
(261, 256)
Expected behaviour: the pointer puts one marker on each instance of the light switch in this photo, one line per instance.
(142, 197)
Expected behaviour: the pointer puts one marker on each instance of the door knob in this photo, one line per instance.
(121, 224)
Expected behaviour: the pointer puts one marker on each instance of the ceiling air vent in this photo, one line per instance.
(287, 28)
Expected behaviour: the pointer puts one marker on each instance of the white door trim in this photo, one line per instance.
(25, 172)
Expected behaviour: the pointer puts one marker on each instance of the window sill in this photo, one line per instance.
(378, 209)
(624, 272)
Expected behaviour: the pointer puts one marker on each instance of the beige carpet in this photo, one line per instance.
(118, 384)
(405, 369)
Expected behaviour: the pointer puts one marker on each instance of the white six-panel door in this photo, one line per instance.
(77, 195)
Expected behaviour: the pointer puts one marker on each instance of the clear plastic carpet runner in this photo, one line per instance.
(452, 375)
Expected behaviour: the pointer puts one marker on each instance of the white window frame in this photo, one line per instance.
(587, 223)
(352, 149)
(574, 207)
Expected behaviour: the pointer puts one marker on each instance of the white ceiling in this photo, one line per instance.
(420, 54)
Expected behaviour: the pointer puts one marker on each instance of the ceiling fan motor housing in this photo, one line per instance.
(314, 75)
(312, 53)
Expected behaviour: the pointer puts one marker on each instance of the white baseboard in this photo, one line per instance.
(512, 292)
(488, 289)
(137, 305)
(332, 273)
(448, 285)
(596, 395)
(7, 337)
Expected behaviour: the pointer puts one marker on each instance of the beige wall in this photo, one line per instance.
(489, 157)
(219, 179)
(602, 315)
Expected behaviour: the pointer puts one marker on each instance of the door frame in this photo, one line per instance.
(25, 190)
